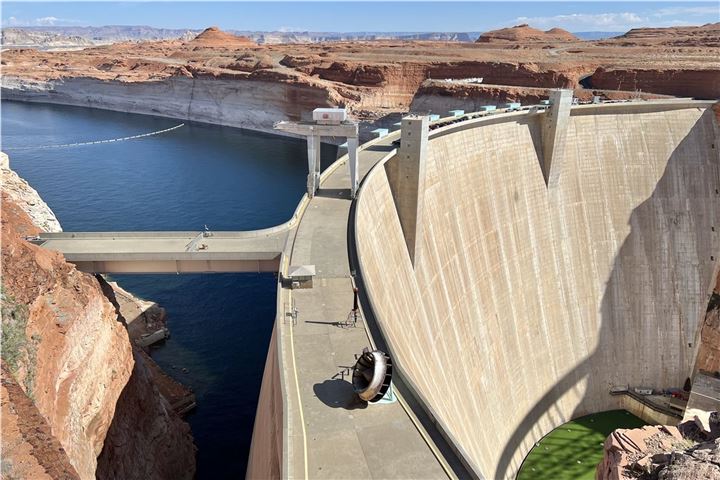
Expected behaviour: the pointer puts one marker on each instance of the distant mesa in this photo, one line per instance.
(707, 35)
(214, 37)
(526, 33)
(709, 29)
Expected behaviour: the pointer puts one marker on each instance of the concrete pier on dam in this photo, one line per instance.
(528, 281)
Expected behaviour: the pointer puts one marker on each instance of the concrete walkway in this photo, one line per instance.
(343, 437)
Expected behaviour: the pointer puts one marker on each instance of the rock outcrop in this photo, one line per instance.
(702, 84)
(61, 341)
(708, 359)
(213, 37)
(24, 196)
(147, 439)
(526, 33)
(685, 452)
(66, 352)
(29, 448)
(696, 36)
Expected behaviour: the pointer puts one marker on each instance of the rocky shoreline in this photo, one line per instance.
(27, 198)
(249, 104)
(69, 345)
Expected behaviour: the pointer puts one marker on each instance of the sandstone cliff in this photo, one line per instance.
(29, 448)
(27, 198)
(698, 83)
(147, 439)
(61, 341)
(68, 347)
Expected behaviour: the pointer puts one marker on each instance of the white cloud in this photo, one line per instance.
(579, 22)
(689, 11)
(623, 21)
(48, 21)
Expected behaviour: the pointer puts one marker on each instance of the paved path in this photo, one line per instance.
(344, 437)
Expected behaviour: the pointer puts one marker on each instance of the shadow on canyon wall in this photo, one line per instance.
(619, 310)
(146, 438)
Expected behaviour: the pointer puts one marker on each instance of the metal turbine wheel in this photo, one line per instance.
(371, 375)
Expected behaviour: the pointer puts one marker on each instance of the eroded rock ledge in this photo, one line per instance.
(685, 452)
(66, 349)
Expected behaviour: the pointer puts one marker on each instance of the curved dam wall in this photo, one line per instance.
(527, 303)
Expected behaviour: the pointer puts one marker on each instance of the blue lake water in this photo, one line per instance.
(226, 178)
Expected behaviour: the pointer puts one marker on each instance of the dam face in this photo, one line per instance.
(526, 303)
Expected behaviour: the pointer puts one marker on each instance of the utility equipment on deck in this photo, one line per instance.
(372, 375)
(327, 122)
(329, 116)
(301, 276)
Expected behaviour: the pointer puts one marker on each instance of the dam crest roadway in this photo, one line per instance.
(308, 423)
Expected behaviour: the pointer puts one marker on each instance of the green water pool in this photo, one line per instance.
(573, 450)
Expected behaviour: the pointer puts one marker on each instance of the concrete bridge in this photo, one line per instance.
(170, 252)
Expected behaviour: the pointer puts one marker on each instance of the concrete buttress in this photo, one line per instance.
(407, 177)
(554, 133)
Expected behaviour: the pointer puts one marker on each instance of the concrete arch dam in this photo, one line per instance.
(525, 300)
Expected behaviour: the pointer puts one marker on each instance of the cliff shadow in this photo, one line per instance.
(626, 338)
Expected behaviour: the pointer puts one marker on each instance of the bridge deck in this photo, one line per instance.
(169, 252)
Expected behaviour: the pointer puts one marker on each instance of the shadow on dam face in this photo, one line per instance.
(660, 229)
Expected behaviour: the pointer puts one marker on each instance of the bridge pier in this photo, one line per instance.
(313, 178)
(353, 165)
(328, 122)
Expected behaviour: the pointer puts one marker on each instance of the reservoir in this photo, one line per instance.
(196, 175)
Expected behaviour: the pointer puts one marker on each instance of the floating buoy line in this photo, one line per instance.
(98, 142)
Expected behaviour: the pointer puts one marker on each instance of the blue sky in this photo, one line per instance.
(364, 16)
